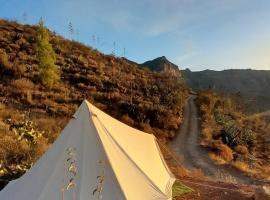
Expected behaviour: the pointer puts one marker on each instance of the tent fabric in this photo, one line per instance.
(96, 157)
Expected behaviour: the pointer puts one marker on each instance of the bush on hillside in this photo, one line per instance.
(21, 145)
(4, 61)
(248, 136)
(18, 69)
(241, 149)
(222, 150)
(13, 151)
(23, 84)
(48, 71)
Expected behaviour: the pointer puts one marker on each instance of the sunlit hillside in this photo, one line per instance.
(32, 115)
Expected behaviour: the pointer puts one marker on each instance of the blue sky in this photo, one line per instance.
(195, 34)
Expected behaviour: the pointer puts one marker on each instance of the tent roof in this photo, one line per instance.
(96, 157)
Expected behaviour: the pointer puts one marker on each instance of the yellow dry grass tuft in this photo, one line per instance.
(217, 158)
(244, 167)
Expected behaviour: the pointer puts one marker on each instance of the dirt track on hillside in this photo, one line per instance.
(195, 157)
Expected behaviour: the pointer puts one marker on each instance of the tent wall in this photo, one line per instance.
(95, 152)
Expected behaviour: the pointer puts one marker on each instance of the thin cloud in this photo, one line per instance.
(149, 17)
(185, 57)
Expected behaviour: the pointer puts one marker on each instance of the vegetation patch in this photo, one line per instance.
(22, 145)
(179, 189)
(232, 137)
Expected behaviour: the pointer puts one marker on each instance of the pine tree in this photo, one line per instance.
(48, 71)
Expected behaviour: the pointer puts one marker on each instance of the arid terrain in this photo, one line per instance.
(152, 97)
(195, 157)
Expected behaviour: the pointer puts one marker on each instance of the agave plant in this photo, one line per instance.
(25, 130)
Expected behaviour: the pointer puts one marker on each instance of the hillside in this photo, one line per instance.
(232, 137)
(252, 86)
(31, 115)
(161, 64)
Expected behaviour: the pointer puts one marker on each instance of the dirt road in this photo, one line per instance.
(186, 144)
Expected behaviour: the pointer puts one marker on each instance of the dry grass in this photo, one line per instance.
(41, 147)
(18, 69)
(198, 174)
(51, 126)
(222, 150)
(23, 84)
(226, 152)
(241, 149)
(225, 177)
(4, 61)
(241, 166)
(146, 128)
(246, 138)
(173, 161)
(10, 113)
(244, 167)
(217, 158)
(2, 106)
(12, 151)
(178, 171)
(263, 172)
(127, 120)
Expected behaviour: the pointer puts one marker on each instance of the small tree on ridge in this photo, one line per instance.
(48, 71)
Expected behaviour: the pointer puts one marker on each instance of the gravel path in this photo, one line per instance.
(195, 157)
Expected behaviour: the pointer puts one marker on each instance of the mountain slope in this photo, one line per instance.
(117, 86)
(149, 101)
(160, 64)
(251, 85)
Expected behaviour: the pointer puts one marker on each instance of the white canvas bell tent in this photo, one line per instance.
(96, 157)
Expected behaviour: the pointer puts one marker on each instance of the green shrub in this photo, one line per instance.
(248, 136)
(26, 130)
(222, 119)
(230, 134)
